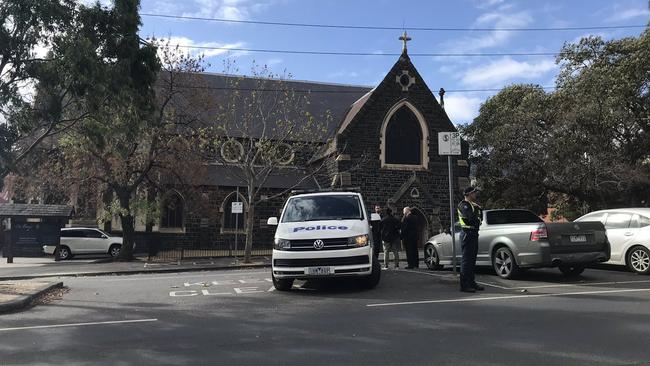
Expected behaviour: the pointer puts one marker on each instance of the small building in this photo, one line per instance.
(27, 227)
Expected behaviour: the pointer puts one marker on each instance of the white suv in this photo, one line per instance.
(81, 240)
(324, 235)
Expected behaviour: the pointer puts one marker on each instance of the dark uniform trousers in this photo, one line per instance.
(469, 248)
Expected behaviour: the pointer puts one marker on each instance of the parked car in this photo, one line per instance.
(511, 240)
(81, 240)
(628, 230)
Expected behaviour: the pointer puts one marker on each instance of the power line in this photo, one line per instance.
(337, 53)
(371, 27)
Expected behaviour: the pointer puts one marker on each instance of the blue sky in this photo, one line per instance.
(448, 72)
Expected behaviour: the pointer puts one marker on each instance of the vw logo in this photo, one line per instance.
(319, 244)
(576, 227)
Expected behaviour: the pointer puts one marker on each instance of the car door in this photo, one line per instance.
(95, 241)
(73, 239)
(619, 233)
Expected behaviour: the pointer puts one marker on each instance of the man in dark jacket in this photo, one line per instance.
(470, 216)
(390, 228)
(410, 238)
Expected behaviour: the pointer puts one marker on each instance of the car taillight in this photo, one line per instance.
(538, 234)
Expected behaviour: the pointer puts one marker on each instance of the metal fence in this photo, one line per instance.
(177, 252)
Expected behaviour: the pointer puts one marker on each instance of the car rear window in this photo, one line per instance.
(511, 217)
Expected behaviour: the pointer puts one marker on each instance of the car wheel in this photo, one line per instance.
(114, 250)
(638, 260)
(373, 279)
(431, 258)
(504, 263)
(64, 252)
(282, 284)
(572, 271)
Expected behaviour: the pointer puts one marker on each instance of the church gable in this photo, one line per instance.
(397, 121)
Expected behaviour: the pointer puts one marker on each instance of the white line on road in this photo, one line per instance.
(580, 284)
(474, 299)
(137, 277)
(452, 277)
(79, 324)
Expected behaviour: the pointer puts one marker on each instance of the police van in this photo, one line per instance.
(324, 234)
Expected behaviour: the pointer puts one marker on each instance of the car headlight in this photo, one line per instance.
(281, 244)
(359, 241)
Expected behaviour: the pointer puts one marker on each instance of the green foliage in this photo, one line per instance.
(587, 141)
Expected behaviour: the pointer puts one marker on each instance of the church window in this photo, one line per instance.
(404, 138)
(233, 221)
(232, 151)
(172, 211)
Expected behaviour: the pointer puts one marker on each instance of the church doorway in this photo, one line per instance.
(423, 226)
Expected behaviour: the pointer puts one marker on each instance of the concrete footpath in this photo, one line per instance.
(17, 295)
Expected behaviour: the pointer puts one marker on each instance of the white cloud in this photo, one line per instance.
(226, 9)
(498, 18)
(482, 4)
(628, 14)
(208, 53)
(461, 108)
(506, 69)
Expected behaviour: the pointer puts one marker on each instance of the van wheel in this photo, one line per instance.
(638, 260)
(572, 271)
(64, 253)
(504, 263)
(431, 258)
(114, 250)
(373, 279)
(282, 284)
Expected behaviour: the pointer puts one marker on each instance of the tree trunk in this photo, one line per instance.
(250, 220)
(128, 229)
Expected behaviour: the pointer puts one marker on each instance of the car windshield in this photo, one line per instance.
(331, 207)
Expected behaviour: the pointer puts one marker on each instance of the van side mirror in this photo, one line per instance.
(272, 221)
(375, 217)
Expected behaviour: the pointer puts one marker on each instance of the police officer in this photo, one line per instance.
(470, 216)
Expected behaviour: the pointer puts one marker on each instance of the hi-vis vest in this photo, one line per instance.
(476, 210)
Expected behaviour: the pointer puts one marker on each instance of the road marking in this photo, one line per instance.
(580, 284)
(453, 278)
(474, 299)
(79, 324)
(138, 278)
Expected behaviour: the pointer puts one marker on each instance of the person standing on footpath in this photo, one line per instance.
(409, 234)
(470, 216)
(390, 228)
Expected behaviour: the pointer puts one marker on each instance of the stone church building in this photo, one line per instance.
(383, 140)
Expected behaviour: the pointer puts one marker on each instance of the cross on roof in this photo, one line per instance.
(404, 38)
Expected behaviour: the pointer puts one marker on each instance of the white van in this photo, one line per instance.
(324, 235)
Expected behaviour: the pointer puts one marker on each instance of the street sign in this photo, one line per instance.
(237, 207)
(448, 143)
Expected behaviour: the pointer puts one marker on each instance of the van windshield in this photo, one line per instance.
(313, 208)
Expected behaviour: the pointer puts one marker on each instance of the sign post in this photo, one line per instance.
(449, 144)
(237, 208)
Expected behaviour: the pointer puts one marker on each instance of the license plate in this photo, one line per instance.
(578, 238)
(318, 271)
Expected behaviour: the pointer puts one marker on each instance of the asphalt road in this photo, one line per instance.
(411, 318)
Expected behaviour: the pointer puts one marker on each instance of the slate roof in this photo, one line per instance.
(324, 99)
(32, 210)
(283, 178)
